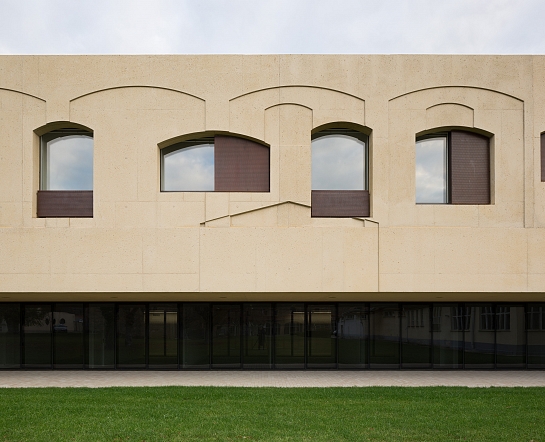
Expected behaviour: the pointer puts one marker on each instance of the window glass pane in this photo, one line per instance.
(431, 170)
(510, 336)
(67, 163)
(37, 335)
(226, 336)
(384, 342)
(449, 322)
(131, 336)
(257, 320)
(322, 337)
(479, 336)
(163, 336)
(196, 335)
(338, 163)
(68, 335)
(10, 343)
(352, 335)
(535, 325)
(290, 335)
(100, 335)
(189, 169)
(415, 336)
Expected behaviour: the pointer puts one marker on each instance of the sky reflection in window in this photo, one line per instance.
(431, 171)
(189, 169)
(338, 163)
(69, 163)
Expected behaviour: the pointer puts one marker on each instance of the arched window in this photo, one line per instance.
(340, 178)
(452, 168)
(215, 164)
(66, 174)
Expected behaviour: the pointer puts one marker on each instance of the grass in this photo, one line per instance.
(269, 414)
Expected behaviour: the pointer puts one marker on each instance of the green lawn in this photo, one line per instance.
(269, 414)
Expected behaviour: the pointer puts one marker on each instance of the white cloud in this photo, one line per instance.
(282, 26)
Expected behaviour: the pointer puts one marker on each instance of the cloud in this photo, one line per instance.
(70, 163)
(282, 26)
(338, 163)
(189, 169)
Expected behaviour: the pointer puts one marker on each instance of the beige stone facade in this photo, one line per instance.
(144, 244)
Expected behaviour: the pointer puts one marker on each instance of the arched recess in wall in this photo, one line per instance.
(246, 112)
(160, 113)
(66, 170)
(471, 132)
(214, 162)
(340, 170)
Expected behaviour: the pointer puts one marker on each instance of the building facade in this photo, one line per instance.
(273, 212)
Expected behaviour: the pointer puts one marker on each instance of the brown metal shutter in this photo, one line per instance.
(240, 165)
(543, 156)
(65, 204)
(469, 168)
(340, 203)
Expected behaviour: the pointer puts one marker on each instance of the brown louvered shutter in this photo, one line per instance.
(240, 165)
(65, 204)
(340, 203)
(469, 168)
(543, 156)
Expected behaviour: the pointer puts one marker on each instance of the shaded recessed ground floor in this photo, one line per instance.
(265, 336)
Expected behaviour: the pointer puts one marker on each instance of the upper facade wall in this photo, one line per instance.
(135, 105)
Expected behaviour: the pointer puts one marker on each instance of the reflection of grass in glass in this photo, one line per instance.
(273, 414)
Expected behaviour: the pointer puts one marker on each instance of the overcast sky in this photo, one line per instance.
(274, 26)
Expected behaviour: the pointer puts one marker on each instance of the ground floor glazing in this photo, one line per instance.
(276, 335)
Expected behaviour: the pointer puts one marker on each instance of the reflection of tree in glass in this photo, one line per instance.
(12, 317)
(131, 326)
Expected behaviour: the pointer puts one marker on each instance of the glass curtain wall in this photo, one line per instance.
(195, 334)
(68, 344)
(479, 336)
(272, 335)
(535, 326)
(290, 335)
(226, 336)
(416, 335)
(384, 335)
(449, 321)
(131, 336)
(37, 336)
(353, 335)
(10, 338)
(257, 323)
(510, 336)
(163, 336)
(100, 330)
(321, 336)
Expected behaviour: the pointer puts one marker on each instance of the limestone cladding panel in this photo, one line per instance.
(198, 244)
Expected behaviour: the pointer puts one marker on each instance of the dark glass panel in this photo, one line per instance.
(535, 325)
(384, 334)
(10, 339)
(226, 335)
(257, 322)
(68, 335)
(100, 327)
(131, 336)
(196, 336)
(37, 335)
(479, 336)
(290, 335)
(510, 336)
(352, 335)
(415, 336)
(163, 335)
(448, 324)
(322, 340)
